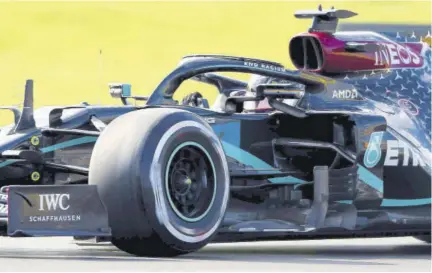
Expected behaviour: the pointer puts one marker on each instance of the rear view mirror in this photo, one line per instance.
(120, 90)
(123, 91)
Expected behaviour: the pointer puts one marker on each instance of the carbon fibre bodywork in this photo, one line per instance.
(375, 147)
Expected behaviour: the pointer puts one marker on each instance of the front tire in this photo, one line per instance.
(163, 177)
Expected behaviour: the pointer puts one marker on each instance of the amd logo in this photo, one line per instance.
(346, 94)
(53, 201)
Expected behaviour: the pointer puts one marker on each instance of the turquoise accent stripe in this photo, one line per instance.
(345, 201)
(258, 164)
(405, 202)
(287, 179)
(245, 157)
(370, 179)
(228, 132)
(7, 162)
(69, 143)
(398, 202)
(58, 146)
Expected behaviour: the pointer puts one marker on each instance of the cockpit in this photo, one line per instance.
(248, 89)
(232, 95)
(267, 86)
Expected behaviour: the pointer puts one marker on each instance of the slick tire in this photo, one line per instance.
(164, 179)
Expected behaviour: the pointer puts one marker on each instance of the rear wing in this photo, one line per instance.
(324, 20)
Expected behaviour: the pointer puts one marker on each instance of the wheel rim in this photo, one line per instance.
(190, 181)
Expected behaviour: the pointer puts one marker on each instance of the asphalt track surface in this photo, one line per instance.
(368, 255)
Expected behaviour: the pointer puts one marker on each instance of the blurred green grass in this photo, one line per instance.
(72, 50)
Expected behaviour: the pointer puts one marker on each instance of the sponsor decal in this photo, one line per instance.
(373, 152)
(345, 94)
(396, 152)
(409, 106)
(396, 148)
(55, 201)
(49, 207)
(55, 218)
(265, 66)
(395, 55)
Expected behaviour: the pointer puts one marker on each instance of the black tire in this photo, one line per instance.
(133, 166)
(424, 238)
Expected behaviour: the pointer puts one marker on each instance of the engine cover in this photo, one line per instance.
(352, 51)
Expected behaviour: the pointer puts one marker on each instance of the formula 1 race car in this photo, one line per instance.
(339, 147)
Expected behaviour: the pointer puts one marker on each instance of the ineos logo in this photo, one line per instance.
(396, 54)
(53, 201)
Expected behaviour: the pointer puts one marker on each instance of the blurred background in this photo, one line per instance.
(73, 49)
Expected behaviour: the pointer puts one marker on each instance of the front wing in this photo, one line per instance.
(58, 210)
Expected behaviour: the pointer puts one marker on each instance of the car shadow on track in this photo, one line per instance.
(329, 254)
(251, 253)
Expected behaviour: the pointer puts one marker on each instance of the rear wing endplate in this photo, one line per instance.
(324, 20)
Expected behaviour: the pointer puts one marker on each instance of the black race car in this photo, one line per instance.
(340, 147)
